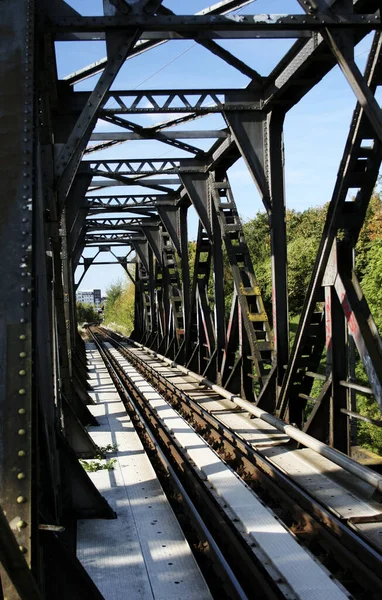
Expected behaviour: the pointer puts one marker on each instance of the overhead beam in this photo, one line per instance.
(172, 135)
(224, 7)
(138, 167)
(181, 100)
(233, 27)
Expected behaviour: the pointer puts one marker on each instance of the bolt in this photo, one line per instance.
(22, 372)
(21, 499)
(23, 550)
(21, 432)
(21, 476)
(21, 524)
(22, 354)
(21, 453)
(22, 411)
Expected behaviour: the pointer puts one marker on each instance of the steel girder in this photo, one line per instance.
(49, 218)
(219, 27)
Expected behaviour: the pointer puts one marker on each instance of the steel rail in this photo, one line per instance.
(348, 547)
(236, 590)
(346, 558)
(193, 510)
(341, 460)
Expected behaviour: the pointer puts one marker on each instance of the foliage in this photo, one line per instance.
(303, 235)
(372, 281)
(101, 462)
(370, 232)
(96, 465)
(304, 230)
(103, 450)
(86, 313)
(369, 435)
(301, 256)
(119, 305)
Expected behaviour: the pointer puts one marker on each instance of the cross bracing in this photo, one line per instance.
(57, 208)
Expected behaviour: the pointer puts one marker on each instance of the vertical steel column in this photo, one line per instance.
(138, 305)
(275, 176)
(259, 137)
(144, 288)
(200, 323)
(65, 285)
(218, 273)
(151, 291)
(185, 269)
(337, 365)
(18, 435)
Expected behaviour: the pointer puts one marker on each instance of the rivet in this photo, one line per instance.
(23, 336)
(22, 354)
(21, 476)
(21, 411)
(21, 499)
(23, 550)
(21, 432)
(22, 372)
(23, 320)
(21, 524)
(21, 453)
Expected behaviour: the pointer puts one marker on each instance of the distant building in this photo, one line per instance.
(97, 298)
(92, 297)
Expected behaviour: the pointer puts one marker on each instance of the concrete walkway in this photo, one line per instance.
(142, 554)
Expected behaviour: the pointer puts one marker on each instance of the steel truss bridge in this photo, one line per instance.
(54, 208)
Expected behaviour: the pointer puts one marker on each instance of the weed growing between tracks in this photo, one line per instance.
(97, 465)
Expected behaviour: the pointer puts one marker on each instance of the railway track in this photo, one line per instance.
(274, 515)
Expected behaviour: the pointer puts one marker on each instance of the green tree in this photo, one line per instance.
(370, 232)
(301, 257)
(119, 305)
(371, 282)
(86, 313)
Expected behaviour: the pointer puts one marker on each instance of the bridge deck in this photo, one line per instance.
(143, 553)
(291, 564)
(344, 495)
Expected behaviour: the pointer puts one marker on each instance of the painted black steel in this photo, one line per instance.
(52, 213)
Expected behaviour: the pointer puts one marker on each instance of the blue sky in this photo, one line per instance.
(315, 129)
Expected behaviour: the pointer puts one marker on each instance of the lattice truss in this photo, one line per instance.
(58, 201)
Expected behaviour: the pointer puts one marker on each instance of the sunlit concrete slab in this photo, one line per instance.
(279, 548)
(142, 554)
(325, 481)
